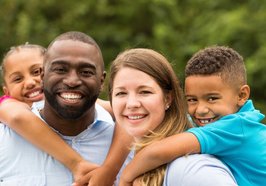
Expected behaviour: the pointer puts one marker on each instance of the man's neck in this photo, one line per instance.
(67, 127)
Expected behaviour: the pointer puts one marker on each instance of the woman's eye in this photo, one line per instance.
(120, 93)
(145, 92)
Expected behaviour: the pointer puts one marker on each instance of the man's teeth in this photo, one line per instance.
(33, 94)
(71, 96)
(135, 117)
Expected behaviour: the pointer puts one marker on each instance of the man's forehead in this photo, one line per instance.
(62, 49)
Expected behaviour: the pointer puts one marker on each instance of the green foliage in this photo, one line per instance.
(176, 28)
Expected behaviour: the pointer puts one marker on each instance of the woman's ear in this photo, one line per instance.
(168, 100)
(243, 95)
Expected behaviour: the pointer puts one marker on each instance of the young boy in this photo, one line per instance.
(229, 126)
(21, 70)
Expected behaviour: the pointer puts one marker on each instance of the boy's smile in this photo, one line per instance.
(209, 98)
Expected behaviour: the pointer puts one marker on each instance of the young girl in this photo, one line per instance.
(21, 70)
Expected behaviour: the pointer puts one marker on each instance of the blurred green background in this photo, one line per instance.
(176, 28)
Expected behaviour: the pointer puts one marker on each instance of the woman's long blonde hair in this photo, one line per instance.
(175, 120)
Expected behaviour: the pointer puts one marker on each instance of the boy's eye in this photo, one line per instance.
(212, 98)
(191, 100)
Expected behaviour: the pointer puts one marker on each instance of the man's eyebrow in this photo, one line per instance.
(87, 65)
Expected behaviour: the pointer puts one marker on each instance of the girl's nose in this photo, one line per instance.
(30, 82)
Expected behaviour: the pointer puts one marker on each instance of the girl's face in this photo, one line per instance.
(138, 102)
(22, 77)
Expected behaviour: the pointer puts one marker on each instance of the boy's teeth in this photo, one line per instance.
(204, 121)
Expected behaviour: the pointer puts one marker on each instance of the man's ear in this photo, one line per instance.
(102, 80)
(243, 95)
(5, 90)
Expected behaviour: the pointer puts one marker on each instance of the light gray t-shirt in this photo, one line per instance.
(198, 170)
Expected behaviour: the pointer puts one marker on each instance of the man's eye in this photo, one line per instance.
(87, 73)
(59, 70)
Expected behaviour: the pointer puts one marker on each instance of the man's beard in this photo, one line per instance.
(68, 112)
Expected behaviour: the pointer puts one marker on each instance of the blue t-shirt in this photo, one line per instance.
(239, 140)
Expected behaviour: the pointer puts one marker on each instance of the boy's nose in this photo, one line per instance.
(202, 109)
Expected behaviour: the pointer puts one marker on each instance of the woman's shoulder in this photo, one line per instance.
(198, 169)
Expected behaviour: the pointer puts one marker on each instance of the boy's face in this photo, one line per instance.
(209, 98)
(22, 77)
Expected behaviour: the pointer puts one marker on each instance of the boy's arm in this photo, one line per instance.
(159, 153)
(18, 116)
(116, 156)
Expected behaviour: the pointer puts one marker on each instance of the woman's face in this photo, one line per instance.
(138, 102)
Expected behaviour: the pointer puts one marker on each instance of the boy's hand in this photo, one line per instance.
(97, 177)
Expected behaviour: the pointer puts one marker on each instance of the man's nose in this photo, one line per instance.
(72, 79)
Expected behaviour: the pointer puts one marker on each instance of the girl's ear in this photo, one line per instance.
(6, 91)
(243, 95)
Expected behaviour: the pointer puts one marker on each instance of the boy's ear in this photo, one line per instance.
(5, 90)
(243, 95)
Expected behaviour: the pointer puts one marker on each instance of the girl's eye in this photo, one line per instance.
(37, 72)
(17, 79)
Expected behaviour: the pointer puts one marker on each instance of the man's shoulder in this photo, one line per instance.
(103, 115)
